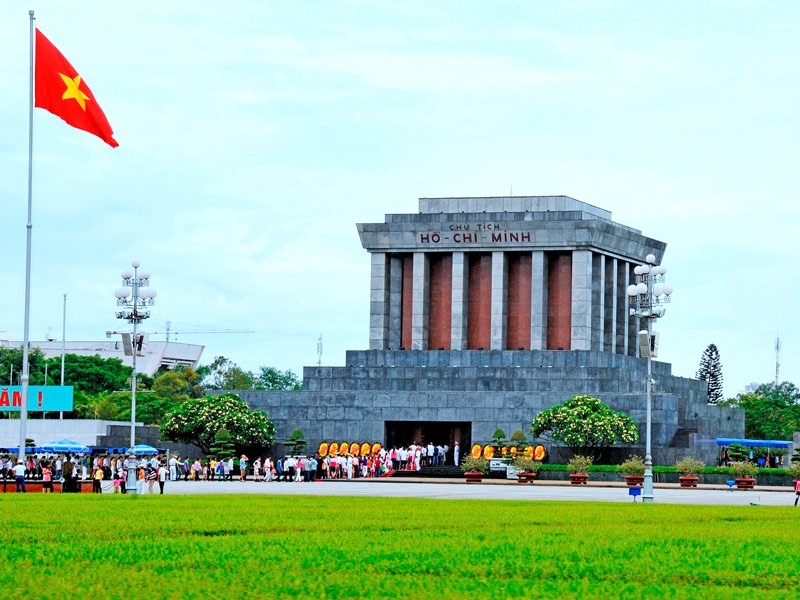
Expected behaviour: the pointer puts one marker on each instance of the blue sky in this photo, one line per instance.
(254, 135)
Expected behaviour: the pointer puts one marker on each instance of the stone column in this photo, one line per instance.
(458, 328)
(499, 300)
(623, 308)
(612, 298)
(419, 307)
(378, 302)
(395, 302)
(632, 348)
(581, 326)
(598, 301)
(538, 301)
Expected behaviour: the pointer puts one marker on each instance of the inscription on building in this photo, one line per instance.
(478, 234)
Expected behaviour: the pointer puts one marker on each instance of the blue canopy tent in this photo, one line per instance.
(753, 444)
(66, 446)
(143, 449)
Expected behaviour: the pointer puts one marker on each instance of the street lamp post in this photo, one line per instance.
(134, 299)
(647, 298)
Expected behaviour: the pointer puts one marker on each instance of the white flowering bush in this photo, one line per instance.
(585, 425)
(197, 420)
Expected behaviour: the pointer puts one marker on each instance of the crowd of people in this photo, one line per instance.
(313, 467)
(70, 471)
(109, 472)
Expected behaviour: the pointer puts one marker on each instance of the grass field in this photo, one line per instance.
(323, 547)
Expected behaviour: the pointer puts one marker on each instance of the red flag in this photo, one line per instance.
(60, 90)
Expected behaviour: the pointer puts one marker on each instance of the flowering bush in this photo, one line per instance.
(480, 465)
(195, 421)
(526, 465)
(743, 469)
(634, 465)
(579, 464)
(585, 424)
(689, 466)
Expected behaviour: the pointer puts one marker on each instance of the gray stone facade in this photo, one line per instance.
(491, 389)
(381, 393)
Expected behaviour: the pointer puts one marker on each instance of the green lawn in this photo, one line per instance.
(230, 546)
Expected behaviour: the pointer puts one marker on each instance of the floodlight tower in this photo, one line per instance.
(647, 297)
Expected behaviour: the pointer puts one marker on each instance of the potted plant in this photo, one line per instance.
(744, 473)
(689, 467)
(578, 467)
(633, 468)
(474, 469)
(527, 468)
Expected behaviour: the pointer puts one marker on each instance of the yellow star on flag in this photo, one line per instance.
(73, 90)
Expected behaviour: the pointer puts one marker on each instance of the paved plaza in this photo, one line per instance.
(456, 489)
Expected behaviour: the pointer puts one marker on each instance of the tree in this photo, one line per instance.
(585, 425)
(270, 378)
(179, 384)
(711, 371)
(498, 441)
(772, 412)
(197, 420)
(93, 374)
(12, 358)
(297, 442)
(224, 374)
(222, 447)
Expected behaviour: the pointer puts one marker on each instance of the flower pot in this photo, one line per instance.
(578, 478)
(473, 476)
(745, 483)
(634, 480)
(526, 477)
(688, 481)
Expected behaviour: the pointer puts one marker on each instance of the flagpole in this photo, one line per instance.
(23, 413)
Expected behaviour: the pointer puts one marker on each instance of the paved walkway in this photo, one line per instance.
(448, 489)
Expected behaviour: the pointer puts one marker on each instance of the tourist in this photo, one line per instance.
(19, 476)
(243, 467)
(162, 473)
(47, 479)
(289, 468)
(97, 478)
(173, 468)
(140, 479)
(67, 475)
(796, 491)
(151, 479)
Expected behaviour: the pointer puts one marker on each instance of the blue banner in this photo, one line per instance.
(40, 398)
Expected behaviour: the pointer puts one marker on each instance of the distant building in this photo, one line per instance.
(154, 355)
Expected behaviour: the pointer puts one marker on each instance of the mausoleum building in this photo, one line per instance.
(485, 311)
